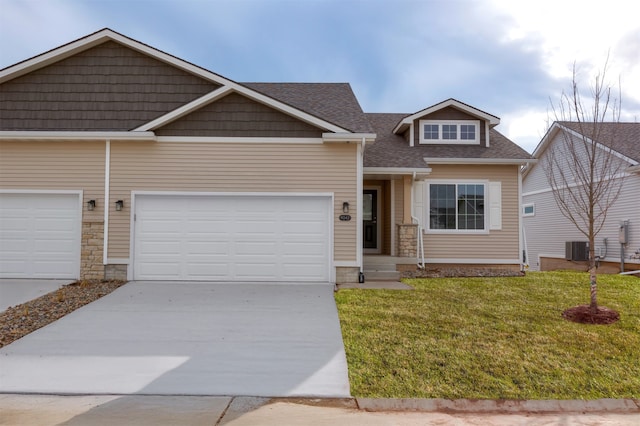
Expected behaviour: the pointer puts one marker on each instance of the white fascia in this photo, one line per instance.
(349, 137)
(71, 135)
(506, 161)
(185, 109)
(396, 171)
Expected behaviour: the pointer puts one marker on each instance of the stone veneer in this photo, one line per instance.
(346, 275)
(407, 240)
(91, 256)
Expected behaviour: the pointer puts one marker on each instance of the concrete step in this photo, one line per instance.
(381, 275)
(379, 267)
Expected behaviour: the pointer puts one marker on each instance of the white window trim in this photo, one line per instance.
(458, 141)
(524, 213)
(427, 209)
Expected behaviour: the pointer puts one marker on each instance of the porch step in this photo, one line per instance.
(387, 275)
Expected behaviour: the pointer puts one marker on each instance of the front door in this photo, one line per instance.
(370, 219)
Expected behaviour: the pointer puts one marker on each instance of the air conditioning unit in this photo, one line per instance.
(576, 250)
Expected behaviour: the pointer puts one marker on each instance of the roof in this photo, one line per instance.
(392, 150)
(333, 102)
(621, 137)
(406, 121)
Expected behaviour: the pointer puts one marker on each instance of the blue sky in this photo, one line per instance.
(509, 58)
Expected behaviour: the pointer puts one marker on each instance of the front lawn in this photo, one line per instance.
(492, 338)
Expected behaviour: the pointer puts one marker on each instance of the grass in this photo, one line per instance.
(492, 338)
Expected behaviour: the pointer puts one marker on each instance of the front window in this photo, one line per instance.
(456, 206)
(450, 132)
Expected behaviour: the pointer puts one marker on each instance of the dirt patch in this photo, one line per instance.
(582, 314)
(23, 319)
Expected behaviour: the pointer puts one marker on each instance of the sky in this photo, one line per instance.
(510, 58)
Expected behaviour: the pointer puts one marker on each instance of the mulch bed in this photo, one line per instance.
(583, 315)
(23, 319)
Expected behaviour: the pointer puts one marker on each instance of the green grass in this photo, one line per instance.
(492, 338)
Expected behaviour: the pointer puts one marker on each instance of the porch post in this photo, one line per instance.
(406, 215)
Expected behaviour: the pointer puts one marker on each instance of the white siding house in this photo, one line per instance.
(546, 230)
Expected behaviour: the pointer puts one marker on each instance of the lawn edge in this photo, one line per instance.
(604, 405)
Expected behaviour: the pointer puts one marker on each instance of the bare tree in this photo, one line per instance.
(585, 177)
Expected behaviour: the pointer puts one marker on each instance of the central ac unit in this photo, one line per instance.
(576, 250)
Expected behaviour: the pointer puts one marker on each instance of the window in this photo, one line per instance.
(431, 131)
(528, 210)
(450, 131)
(457, 206)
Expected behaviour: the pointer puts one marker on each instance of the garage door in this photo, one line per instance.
(40, 235)
(232, 238)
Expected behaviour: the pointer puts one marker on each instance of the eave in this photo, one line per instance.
(72, 135)
(488, 161)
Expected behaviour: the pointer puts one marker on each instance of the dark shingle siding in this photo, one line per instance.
(108, 87)
(235, 115)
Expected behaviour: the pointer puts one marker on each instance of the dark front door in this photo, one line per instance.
(370, 219)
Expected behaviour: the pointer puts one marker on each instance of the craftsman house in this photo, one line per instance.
(118, 160)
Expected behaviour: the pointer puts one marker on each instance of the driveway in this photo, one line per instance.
(180, 338)
(17, 291)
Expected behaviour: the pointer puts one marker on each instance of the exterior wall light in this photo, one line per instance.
(91, 205)
(345, 207)
(119, 205)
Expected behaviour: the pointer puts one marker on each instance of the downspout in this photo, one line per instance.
(522, 242)
(419, 241)
(359, 185)
(107, 170)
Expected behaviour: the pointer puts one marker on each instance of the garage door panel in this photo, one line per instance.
(234, 238)
(40, 235)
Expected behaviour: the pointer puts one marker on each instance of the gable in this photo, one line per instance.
(107, 87)
(238, 116)
(449, 114)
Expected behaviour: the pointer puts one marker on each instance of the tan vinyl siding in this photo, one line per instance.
(204, 167)
(69, 166)
(498, 244)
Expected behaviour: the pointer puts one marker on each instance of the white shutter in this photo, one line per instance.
(495, 205)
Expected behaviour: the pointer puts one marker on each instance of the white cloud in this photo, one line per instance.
(580, 31)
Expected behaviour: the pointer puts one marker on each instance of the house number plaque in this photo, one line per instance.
(345, 217)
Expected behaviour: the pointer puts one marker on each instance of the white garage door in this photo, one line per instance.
(232, 238)
(40, 235)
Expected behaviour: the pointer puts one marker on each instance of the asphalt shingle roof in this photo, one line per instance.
(621, 137)
(391, 150)
(332, 102)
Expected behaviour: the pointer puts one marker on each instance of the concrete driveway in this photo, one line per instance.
(179, 338)
(17, 291)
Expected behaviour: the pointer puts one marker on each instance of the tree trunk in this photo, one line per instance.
(593, 287)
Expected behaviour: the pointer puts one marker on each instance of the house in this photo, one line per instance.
(118, 160)
(552, 241)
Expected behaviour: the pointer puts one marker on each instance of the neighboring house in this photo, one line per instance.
(118, 160)
(547, 231)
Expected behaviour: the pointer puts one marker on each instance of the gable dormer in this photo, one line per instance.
(450, 122)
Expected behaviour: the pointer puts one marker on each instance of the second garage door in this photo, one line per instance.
(232, 238)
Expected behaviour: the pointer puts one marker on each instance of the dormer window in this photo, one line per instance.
(450, 132)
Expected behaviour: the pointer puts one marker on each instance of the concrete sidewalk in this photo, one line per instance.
(206, 410)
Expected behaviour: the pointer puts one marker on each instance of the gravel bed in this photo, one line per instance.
(20, 320)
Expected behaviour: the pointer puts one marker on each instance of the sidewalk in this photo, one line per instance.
(237, 411)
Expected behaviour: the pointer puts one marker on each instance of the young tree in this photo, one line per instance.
(585, 178)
